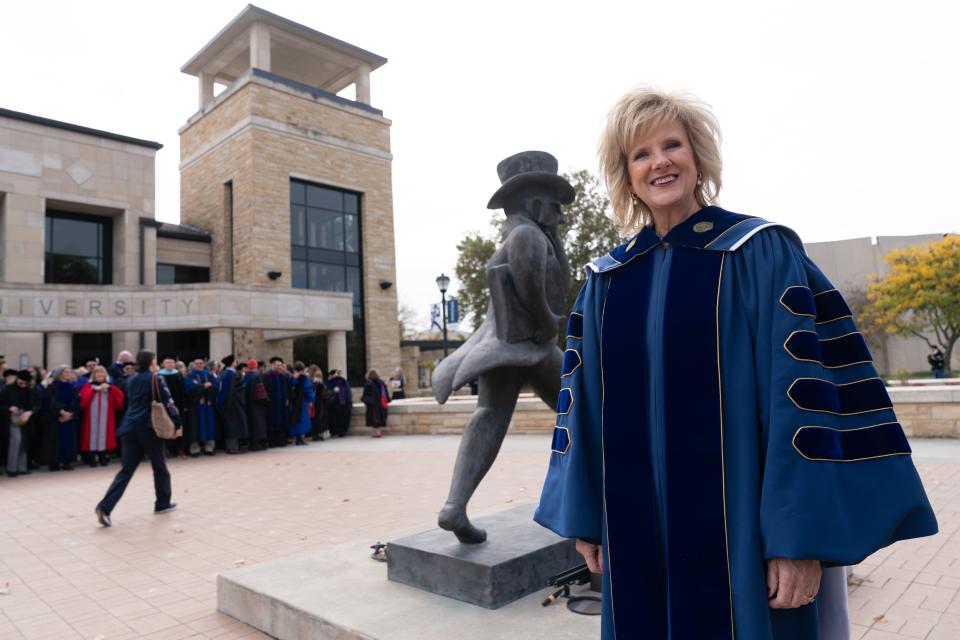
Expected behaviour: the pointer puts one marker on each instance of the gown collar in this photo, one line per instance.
(710, 228)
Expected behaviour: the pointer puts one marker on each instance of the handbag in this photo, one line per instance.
(162, 423)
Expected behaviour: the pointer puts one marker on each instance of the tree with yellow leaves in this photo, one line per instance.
(920, 296)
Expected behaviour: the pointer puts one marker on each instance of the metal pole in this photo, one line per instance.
(443, 302)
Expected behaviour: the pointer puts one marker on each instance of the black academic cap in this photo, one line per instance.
(9, 372)
(24, 374)
(228, 360)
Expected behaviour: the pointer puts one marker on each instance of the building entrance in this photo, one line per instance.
(183, 345)
(92, 346)
(311, 350)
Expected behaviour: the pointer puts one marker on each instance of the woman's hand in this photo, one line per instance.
(792, 583)
(592, 554)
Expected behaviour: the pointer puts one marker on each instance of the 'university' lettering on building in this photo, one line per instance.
(93, 307)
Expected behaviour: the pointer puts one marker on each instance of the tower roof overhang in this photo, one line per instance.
(297, 52)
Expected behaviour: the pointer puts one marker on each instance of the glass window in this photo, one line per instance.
(353, 284)
(326, 277)
(351, 234)
(298, 192)
(351, 203)
(324, 255)
(325, 229)
(325, 249)
(299, 275)
(324, 198)
(298, 225)
(76, 238)
(181, 274)
(166, 274)
(78, 249)
(71, 270)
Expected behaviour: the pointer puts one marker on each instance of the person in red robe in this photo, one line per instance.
(100, 401)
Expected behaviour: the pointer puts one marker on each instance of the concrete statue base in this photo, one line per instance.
(340, 593)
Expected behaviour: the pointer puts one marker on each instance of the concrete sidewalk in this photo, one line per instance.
(155, 576)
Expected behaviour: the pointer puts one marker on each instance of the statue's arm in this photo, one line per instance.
(527, 255)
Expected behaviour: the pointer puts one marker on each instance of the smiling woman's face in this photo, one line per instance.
(663, 170)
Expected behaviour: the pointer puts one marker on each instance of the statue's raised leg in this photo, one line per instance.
(479, 447)
(545, 378)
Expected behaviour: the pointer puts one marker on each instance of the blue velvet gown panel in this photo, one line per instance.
(723, 443)
(300, 424)
(206, 419)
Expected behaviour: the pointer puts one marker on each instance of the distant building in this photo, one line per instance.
(286, 244)
(849, 264)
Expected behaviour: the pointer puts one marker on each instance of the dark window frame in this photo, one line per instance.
(347, 261)
(104, 240)
(184, 274)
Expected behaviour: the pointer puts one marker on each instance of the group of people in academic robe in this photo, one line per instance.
(249, 406)
(53, 419)
(66, 416)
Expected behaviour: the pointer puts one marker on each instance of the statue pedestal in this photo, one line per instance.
(339, 593)
(516, 560)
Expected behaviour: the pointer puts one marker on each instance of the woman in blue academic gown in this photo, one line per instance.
(301, 397)
(723, 444)
(58, 420)
(202, 389)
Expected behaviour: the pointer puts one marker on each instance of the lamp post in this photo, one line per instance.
(442, 283)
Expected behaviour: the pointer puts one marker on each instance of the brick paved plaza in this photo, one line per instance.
(63, 577)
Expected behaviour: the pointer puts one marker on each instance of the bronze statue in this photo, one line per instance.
(528, 277)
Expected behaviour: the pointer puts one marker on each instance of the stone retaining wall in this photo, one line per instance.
(425, 416)
(930, 412)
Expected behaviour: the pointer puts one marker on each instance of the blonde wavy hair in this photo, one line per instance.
(636, 113)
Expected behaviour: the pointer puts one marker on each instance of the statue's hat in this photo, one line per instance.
(536, 169)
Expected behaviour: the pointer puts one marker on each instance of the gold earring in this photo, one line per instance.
(636, 199)
(699, 176)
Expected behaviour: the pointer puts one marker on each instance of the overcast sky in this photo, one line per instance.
(839, 118)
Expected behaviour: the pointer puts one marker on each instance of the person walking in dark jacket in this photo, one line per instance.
(138, 438)
(937, 362)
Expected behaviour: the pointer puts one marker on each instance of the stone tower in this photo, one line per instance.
(293, 180)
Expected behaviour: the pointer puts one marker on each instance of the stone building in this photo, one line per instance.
(850, 264)
(286, 241)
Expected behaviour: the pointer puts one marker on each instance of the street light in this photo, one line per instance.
(442, 283)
